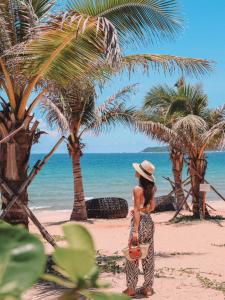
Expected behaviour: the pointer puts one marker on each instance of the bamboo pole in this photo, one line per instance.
(36, 169)
(212, 187)
(29, 179)
(210, 207)
(15, 198)
(178, 211)
(24, 125)
(174, 189)
(46, 235)
(5, 139)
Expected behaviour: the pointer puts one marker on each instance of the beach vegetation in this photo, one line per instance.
(211, 284)
(41, 46)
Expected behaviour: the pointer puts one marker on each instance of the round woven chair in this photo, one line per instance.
(107, 208)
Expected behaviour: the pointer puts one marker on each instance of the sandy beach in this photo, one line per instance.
(189, 256)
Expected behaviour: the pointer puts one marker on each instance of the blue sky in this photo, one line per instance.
(202, 37)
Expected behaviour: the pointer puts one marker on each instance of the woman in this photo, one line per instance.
(142, 229)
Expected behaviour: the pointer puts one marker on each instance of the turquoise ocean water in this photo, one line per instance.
(107, 175)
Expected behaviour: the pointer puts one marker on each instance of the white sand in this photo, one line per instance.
(184, 251)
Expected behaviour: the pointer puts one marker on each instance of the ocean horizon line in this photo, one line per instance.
(141, 152)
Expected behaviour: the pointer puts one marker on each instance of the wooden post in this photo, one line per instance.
(203, 204)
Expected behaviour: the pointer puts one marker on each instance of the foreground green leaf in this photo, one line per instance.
(78, 237)
(77, 263)
(22, 261)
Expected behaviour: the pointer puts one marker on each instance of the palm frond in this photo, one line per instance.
(168, 63)
(121, 95)
(135, 19)
(42, 7)
(216, 115)
(111, 112)
(196, 99)
(70, 47)
(157, 131)
(191, 127)
(215, 136)
(159, 98)
(108, 119)
(16, 19)
(179, 105)
(55, 113)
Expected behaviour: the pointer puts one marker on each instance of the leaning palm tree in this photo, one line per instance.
(193, 135)
(165, 104)
(74, 111)
(39, 46)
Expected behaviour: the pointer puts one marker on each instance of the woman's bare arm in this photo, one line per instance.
(152, 201)
(137, 192)
(152, 204)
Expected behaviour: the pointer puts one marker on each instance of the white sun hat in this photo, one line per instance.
(146, 169)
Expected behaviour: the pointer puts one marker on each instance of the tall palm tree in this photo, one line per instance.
(193, 135)
(74, 111)
(37, 47)
(165, 104)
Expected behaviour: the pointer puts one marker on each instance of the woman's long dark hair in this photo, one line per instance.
(149, 189)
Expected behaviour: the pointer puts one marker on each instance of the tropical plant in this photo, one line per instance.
(192, 135)
(38, 48)
(164, 104)
(74, 111)
(23, 261)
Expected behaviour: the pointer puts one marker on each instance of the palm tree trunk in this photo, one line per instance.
(177, 159)
(79, 212)
(14, 159)
(197, 169)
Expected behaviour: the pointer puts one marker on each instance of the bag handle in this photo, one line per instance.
(130, 243)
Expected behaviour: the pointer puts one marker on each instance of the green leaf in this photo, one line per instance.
(22, 260)
(77, 263)
(78, 237)
(136, 20)
(58, 280)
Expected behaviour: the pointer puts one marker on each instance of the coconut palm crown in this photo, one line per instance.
(165, 104)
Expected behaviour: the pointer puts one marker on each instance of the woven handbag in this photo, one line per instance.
(135, 252)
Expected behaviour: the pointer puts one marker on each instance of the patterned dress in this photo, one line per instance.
(146, 234)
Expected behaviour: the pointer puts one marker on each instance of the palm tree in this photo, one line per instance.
(38, 48)
(165, 104)
(193, 135)
(73, 110)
